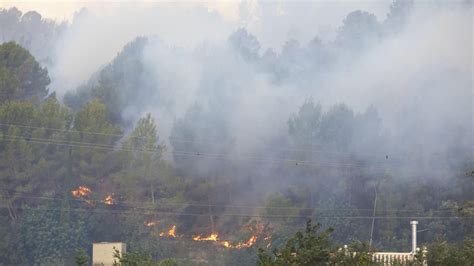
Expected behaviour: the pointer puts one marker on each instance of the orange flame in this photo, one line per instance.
(215, 237)
(258, 231)
(150, 223)
(108, 200)
(172, 231)
(247, 244)
(81, 192)
(226, 244)
(211, 237)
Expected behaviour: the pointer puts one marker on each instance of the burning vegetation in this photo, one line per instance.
(258, 232)
(172, 231)
(169, 233)
(84, 193)
(108, 200)
(150, 223)
(81, 192)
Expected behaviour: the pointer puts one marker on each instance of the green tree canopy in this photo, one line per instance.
(310, 247)
(21, 76)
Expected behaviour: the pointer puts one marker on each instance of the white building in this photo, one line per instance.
(103, 253)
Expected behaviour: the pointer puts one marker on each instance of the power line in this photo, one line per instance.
(81, 144)
(69, 130)
(200, 204)
(202, 155)
(171, 213)
(178, 140)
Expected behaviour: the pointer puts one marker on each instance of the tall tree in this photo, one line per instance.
(21, 76)
(310, 247)
(144, 163)
(93, 140)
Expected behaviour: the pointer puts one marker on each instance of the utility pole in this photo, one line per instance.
(211, 217)
(373, 218)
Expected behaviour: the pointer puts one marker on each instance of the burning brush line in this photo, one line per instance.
(214, 237)
(83, 192)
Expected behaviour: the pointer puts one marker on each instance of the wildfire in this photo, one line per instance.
(81, 192)
(171, 232)
(150, 223)
(109, 200)
(226, 244)
(247, 244)
(211, 237)
(259, 231)
(215, 238)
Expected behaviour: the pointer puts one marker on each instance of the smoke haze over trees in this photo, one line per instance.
(184, 118)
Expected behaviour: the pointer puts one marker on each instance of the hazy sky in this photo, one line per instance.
(273, 22)
(63, 10)
(228, 9)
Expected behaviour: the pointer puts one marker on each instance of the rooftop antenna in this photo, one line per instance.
(413, 235)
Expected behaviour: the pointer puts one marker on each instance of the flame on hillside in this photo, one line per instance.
(81, 192)
(248, 243)
(109, 200)
(227, 244)
(150, 223)
(211, 237)
(257, 232)
(170, 233)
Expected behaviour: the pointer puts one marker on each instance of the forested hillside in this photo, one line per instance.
(205, 156)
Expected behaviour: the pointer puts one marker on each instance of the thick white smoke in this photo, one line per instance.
(418, 75)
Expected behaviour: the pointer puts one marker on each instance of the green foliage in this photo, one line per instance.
(334, 130)
(21, 76)
(195, 132)
(167, 262)
(51, 234)
(143, 147)
(30, 30)
(143, 154)
(443, 253)
(304, 248)
(357, 253)
(11, 247)
(358, 30)
(246, 44)
(82, 259)
(46, 150)
(96, 137)
(139, 259)
(304, 126)
(119, 85)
